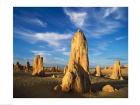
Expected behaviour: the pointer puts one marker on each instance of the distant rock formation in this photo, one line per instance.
(27, 67)
(116, 72)
(126, 65)
(17, 67)
(54, 69)
(98, 71)
(37, 65)
(76, 76)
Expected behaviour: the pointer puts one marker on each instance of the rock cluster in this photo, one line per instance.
(54, 69)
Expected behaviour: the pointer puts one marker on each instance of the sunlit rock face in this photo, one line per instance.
(37, 65)
(76, 76)
(65, 69)
(98, 71)
(116, 72)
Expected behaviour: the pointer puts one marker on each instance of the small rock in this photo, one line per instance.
(53, 76)
(57, 88)
(108, 88)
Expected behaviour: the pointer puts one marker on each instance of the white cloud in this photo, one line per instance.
(104, 27)
(78, 18)
(35, 21)
(42, 53)
(117, 13)
(109, 11)
(97, 24)
(120, 38)
(52, 38)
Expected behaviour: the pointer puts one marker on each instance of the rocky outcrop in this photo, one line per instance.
(17, 67)
(98, 71)
(37, 65)
(27, 67)
(116, 72)
(76, 76)
(65, 69)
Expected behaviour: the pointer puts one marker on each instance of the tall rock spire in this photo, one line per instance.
(76, 77)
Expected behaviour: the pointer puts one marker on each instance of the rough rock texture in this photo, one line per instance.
(76, 77)
(108, 88)
(65, 69)
(98, 71)
(27, 67)
(116, 72)
(37, 65)
(17, 67)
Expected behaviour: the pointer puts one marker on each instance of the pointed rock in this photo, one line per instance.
(116, 72)
(37, 65)
(76, 77)
(98, 71)
(27, 67)
(17, 67)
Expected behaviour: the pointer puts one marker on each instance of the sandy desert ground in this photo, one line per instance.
(27, 86)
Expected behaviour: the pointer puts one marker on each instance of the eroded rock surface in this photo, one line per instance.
(37, 65)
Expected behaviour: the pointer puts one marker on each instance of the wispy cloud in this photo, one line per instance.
(67, 53)
(32, 20)
(103, 45)
(36, 21)
(109, 11)
(52, 38)
(105, 28)
(103, 22)
(40, 52)
(78, 18)
(120, 38)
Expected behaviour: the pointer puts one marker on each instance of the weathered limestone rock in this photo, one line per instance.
(65, 69)
(52, 69)
(76, 77)
(108, 88)
(37, 65)
(53, 76)
(17, 67)
(116, 72)
(56, 69)
(57, 88)
(27, 67)
(98, 71)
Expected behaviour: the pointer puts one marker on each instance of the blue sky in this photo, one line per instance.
(48, 32)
